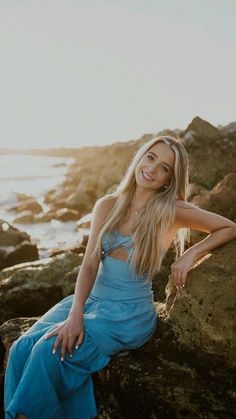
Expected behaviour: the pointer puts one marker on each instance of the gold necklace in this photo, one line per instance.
(138, 211)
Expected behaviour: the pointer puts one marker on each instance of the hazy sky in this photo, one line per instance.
(87, 72)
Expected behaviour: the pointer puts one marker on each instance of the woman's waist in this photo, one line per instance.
(116, 289)
(117, 268)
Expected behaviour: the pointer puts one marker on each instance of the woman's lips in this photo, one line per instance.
(146, 177)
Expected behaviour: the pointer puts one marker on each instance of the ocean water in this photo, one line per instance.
(35, 176)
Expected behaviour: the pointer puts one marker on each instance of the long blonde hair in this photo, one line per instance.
(149, 236)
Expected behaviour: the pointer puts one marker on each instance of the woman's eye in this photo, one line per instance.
(150, 157)
(165, 168)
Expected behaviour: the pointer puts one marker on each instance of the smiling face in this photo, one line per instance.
(156, 167)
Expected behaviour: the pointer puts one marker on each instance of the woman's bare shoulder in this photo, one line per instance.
(104, 204)
(180, 204)
(188, 215)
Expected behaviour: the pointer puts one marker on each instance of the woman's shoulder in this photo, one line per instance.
(184, 211)
(181, 204)
(105, 203)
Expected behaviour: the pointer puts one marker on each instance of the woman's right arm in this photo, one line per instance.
(90, 264)
(71, 331)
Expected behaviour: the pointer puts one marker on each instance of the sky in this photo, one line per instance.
(93, 72)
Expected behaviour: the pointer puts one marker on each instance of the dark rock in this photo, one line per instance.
(30, 289)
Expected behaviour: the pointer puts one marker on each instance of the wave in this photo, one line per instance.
(28, 178)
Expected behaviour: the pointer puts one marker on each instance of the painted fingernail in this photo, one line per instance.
(76, 346)
(53, 351)
(70, 355)
(62, 359)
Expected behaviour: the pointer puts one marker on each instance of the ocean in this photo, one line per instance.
(35, 175)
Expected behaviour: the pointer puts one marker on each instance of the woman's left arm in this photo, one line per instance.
(220, 229)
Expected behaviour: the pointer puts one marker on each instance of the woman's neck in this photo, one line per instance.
(141, 197)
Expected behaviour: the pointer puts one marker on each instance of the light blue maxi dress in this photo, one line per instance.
(119, 314)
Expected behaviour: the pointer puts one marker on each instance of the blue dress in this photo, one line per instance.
(119, 314)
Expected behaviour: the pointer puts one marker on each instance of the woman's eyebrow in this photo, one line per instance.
(151, 152)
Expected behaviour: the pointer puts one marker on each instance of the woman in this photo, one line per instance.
(49, 371)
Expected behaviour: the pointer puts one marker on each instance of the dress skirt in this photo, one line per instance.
(119, 314)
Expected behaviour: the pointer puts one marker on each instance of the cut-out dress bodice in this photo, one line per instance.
(115, 279)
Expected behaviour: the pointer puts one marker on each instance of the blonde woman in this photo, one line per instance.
(49, 370)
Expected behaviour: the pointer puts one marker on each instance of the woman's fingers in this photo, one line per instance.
(179, 277)
(70, 344)
(80, 339)
(52, 333)
(63, 347)
(57, 343)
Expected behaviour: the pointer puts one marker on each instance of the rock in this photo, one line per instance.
(23, 197)
(85, 221)
(48, 197)
(11, 236)
(25, 218)
(221, 199)
(15, 246)
(202, 315)
(64, 214)
(23, 252)
(79, 200)
(13, 328)
(44, 217)
(159, 380)
(30, 289)
(208, 151)
(28, 205)
(203, 129)
(229, 131)
(80, 250)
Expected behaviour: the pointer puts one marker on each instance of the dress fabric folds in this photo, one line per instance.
(119, 314)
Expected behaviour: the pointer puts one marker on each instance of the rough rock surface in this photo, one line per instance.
(177, 373)
(221, 199)
(15, 246)
(211, 154)
(30, 289)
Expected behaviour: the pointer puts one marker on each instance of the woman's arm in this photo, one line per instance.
(90, 264)
(71, 331)
(220, 229)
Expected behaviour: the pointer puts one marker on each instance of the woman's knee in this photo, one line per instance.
(20, 349)
(42, 351)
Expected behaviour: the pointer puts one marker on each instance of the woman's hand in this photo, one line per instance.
(180, 268)
(69, 333)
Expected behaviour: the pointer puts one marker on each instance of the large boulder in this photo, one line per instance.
(201, 316)
(30, 289)
(15, 246)
(11, 236)
(221, 199)
(211, 155)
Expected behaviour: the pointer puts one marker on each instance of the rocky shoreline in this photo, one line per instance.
(188, 368)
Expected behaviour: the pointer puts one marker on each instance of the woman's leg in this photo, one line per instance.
(52, 389)
(39, 385)
(22, 347)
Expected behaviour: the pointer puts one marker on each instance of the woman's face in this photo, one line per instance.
(156, 167)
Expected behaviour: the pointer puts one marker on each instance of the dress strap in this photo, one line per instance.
(106, 252)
